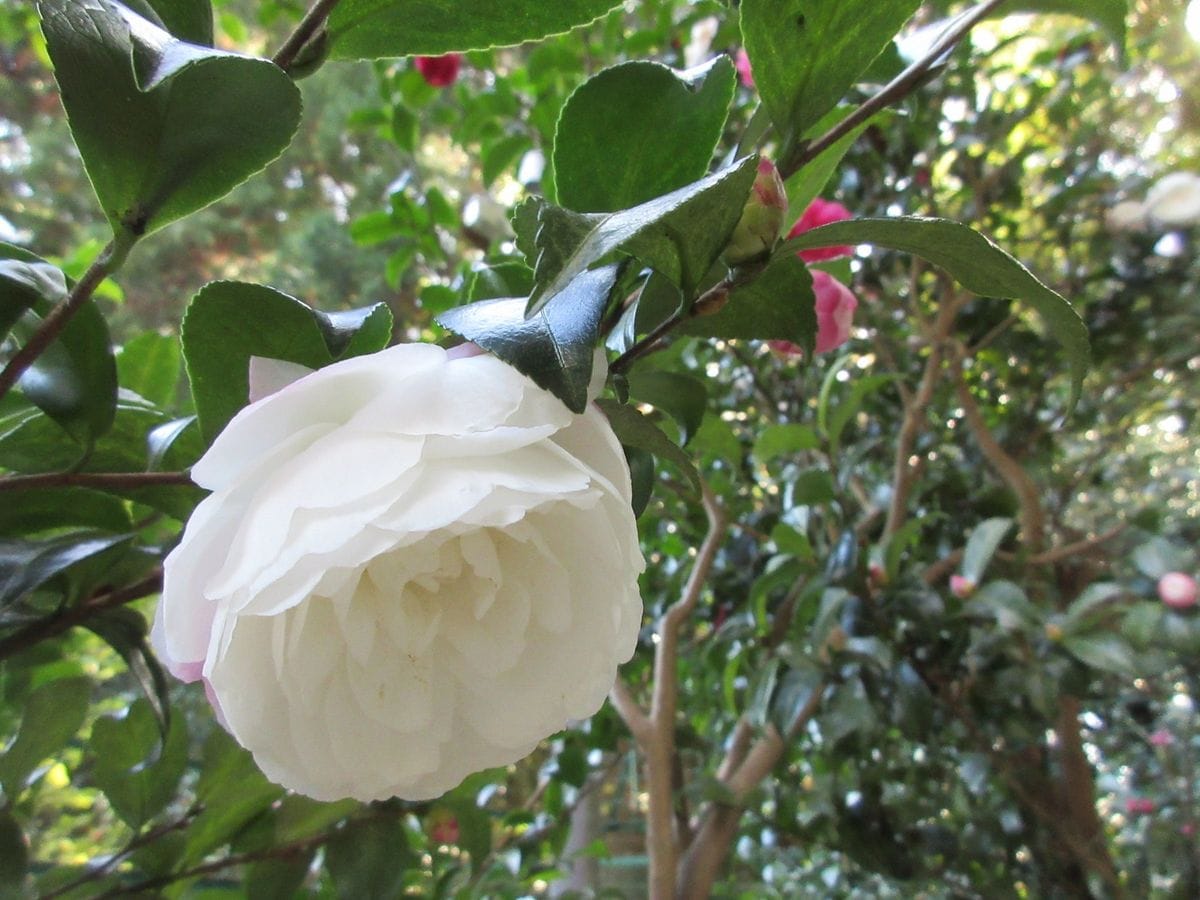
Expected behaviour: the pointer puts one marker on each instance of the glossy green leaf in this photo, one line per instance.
(680, 234)
(813, 488)
(74, 380)
(682, 397)
(634, 429)
(807, 53)
(981, 547)
(1158, 556)
(125, 630)
(372, 29)
(810, 179)
(368, 859)
(508, 279)
(27, 565)
(228, 322)
(188, 20)
(164, 127)
(53, 713)
(556, 346)
(846, 408)
(977, 263)
(14, 856)
(150, 366)
(777, 305)
(611, 150)
(136, 770)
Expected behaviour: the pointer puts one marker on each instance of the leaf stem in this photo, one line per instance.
(895, 90)
(715, 295)
(109, 260)
(112, 481)
(312, 22)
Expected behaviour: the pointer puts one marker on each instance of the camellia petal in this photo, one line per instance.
(413, 565)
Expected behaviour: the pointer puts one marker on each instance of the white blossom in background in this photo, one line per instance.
(413, 566)
(1128, 215)
(1174, 200)
(699, 47)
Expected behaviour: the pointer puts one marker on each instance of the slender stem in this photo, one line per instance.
(43, 629)
(897, 89)
(109, 260)
(313, 20)
(112, 481)
(706, 302)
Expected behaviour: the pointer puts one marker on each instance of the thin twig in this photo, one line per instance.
(313, 20)
(56, 320)
(52, 626)
(110, 481)
(897, 89)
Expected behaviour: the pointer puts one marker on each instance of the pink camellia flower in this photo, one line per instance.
(1139, 806)
(835, 315)
(1162, 738)
(821, 212)
(439, 71)
(1177, 590)
(1188, 829)
(741, 61)
(961, 586)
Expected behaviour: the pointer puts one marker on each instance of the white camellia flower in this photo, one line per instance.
(1174, 199)
(413, 566)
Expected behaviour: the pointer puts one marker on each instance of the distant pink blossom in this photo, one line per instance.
(439, 71)
(1162, 738)
(1177, 590)
(821, 212)
(741, 62)
(835, 305)
(961, 586)
(1139, 806)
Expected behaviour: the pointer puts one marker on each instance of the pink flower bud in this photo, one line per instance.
(1162, 738)
(741, 61)
(821, 212)
(1177, 590)
(961, 586)
(1139, 806)
(442, 826)
(835, 306)
(439, 71)
(1188, 829)
(762, 217)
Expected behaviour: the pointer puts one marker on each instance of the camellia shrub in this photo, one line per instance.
(668, 449)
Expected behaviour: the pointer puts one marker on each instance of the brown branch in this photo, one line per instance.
(708, 302)
(894, 91)
(110, 481)
(904, 474)
(630, 711)
(312, 22)
(56, 320)
(1028, 498)
(939, 570)
(52, 626)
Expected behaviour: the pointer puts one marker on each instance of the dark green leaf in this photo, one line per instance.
(611, 150)
(371, 29)
(14, 856)
(49, 508)
(188, 20)
(499, 156)
(150, 366)
(135, 769)
(1158, 556)
(124, 629)
(164, 127)
(777, 305)
(635, 430)
(524, 219)
(368, 859)
(1106, 652)
(981, 546)
(847, 408)
(978, 264)
(509, 279)
(53, 713)
(680, 234)
(808, 182)
(228, 322)
(783, 440)
(27, 565)
(23, 285)
(682, 397)
(279, 879)
(301, 817)
(813, 488)
(641, 473)
(807, 53)
(556, 346)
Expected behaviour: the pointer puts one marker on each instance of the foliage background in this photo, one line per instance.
(941, 719)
